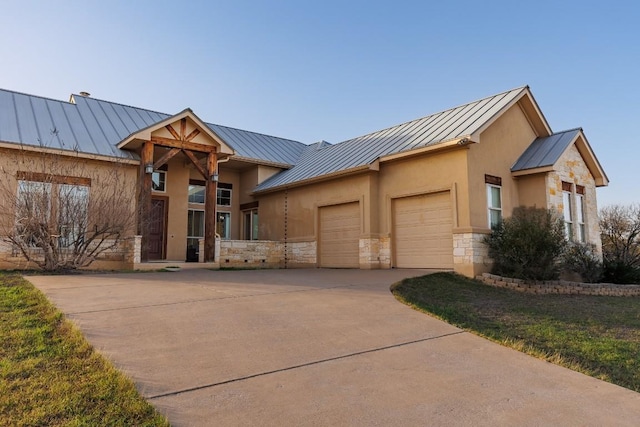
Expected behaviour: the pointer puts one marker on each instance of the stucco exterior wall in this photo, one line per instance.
(500, 145)
(532, 190)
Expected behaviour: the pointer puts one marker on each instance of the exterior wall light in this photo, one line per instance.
(148, 168)
(214, 177)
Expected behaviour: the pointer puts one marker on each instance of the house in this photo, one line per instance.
(422, 194)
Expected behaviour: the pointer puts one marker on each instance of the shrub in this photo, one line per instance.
(581, 258)
(528, 244)
(620, 232)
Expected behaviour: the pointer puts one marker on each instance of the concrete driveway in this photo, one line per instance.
(316, 347)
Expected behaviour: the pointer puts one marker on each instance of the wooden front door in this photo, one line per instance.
(157, 227)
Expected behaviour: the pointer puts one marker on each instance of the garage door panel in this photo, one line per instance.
(340, 236)
(423, 231)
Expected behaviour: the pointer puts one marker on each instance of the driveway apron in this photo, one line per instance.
(316, 347)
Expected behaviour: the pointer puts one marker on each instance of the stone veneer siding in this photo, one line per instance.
(560, 287)
(469, 248)
(572, 168)
(266, 253)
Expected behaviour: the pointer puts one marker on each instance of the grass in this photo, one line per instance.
(50, 375)
(596, 335)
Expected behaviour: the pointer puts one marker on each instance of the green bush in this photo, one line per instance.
(582, 258)
(528, 244)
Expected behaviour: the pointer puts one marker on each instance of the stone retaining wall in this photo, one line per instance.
(560, 287)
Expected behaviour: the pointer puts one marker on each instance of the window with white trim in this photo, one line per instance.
(33, 210)
(567, 210)
(494, 200)
(580, 217)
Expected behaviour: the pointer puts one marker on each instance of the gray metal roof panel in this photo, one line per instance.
(96, 126)
(259, 146)
(430, 130)
(545, 151)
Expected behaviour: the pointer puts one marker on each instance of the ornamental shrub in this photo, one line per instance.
(528, 245)
(582, 258)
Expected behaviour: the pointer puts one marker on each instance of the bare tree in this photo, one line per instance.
(620, 229)
(61, 211)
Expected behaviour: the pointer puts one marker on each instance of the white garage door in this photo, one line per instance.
(423, 231)
(339, 236)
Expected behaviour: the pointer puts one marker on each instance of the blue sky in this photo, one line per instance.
(334, 70)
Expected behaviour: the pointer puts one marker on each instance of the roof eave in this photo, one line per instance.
(68, 153)
(458, 142)
(316, 179)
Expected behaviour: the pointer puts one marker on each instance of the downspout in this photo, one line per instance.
(286, 217)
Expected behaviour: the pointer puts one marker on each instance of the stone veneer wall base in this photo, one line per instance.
(560, 287)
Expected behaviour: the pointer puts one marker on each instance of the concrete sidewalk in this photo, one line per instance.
(317, 347)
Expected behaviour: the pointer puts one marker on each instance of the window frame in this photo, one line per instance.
(568, 214)
(219, 196)
(160, 173)
(580, 218)
(225, 223)
(70, 233)
(490, 207)
(250, 224)
(204, 195)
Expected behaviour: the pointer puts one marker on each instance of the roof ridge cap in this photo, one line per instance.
(35, 96)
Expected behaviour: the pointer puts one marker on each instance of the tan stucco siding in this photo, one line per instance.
(423, 175)
(500, 145)
(572, 168)
(532, 190)
(302, 204)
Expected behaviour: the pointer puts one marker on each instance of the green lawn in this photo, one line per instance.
(50, 375)
(596, 335)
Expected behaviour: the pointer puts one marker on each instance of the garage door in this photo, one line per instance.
(423, 231)
(339, 236)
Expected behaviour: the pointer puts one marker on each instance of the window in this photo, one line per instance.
(223, 196)
(567, 210)
(223, 225)
(582, 231)
(251, 224)
(35, 206)
(196, 193)
(73, 201)
(158, 181)
(494, 202)
(33, 210)
(195, 231)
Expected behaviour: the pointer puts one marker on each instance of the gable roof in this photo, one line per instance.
(92, 126)
(455, 124)
(543, 154)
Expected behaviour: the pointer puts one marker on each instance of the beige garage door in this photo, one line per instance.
(422, 231)
(339, 235)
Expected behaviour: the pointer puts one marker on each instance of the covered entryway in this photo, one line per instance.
(340, 236)
(423, 231)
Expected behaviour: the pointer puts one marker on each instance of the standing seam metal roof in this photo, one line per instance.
(545, 151)
(427, 131)
(94, 126)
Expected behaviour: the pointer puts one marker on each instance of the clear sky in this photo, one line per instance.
(333, 70)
